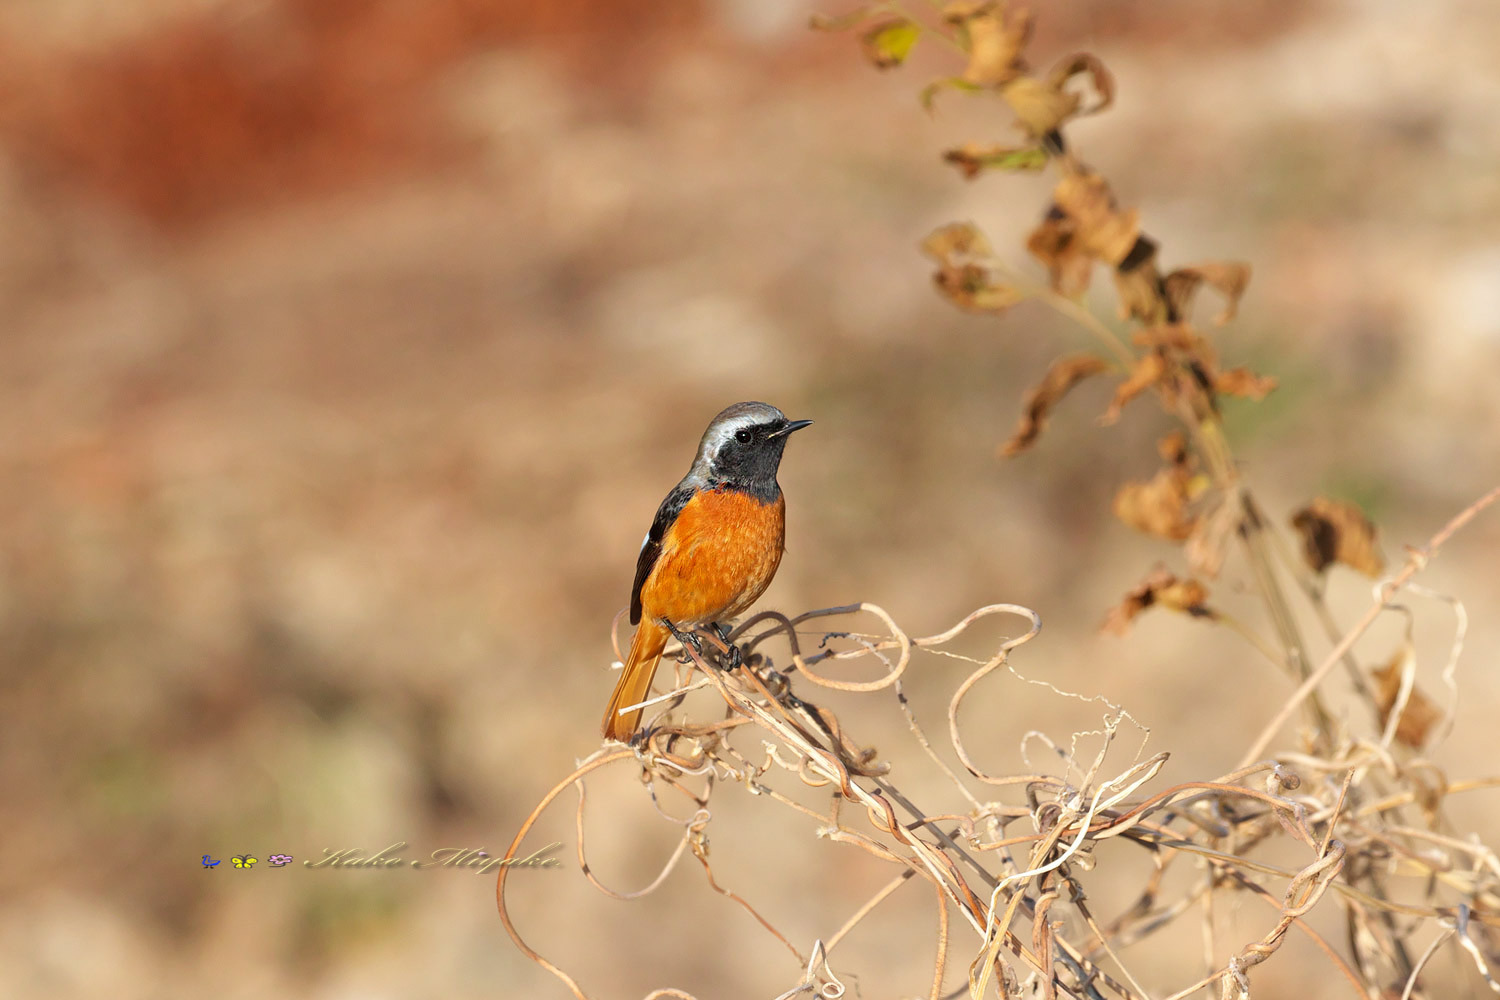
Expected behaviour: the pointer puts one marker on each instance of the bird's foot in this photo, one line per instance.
(732, 655)
(688, 639)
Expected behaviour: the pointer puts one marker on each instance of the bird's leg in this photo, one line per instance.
(733, 654)
(686, 638)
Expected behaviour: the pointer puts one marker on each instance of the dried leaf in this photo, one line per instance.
(1105, 232)
(1161, 589)
(1243, 382)
(1146, 372)
(994, 33)
(1065, 373)
(1052, 243)
(1419, 715)
(1228, 278)
(955, 239)
(1040, 107)
(888, 43)
(1083, 62)
(960, 250)
(1334, 531)
(1160, 506)
(971, 158)
(972, 287)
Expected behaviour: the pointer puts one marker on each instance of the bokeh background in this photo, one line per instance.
(347, 347)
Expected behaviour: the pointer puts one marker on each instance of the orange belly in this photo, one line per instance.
(716, 559)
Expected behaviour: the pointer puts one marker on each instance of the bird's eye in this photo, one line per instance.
(742, 436)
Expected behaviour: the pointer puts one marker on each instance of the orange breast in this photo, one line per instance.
(716, 559)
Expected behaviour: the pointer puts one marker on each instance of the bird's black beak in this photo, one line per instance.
(791, 425)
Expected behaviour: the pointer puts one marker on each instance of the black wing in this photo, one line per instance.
(666, 514)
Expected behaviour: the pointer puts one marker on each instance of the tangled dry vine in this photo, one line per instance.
(1023, 892)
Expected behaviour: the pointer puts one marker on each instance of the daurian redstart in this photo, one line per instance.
(712, 550)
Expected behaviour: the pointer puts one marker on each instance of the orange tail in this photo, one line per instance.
(635, 680)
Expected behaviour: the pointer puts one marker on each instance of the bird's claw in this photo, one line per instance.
(733, 659)
(688, 639)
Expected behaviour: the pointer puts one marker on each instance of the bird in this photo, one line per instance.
(712, 550)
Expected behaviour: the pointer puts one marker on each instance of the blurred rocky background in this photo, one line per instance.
(347, 347)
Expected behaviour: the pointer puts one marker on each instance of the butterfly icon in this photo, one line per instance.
(209, 863)
(244, 860)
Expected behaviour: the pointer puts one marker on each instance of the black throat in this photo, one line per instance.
(766, 491)
(749, 468)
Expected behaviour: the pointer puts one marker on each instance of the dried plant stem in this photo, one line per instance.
(880, 896)
(1073, 310)
(1208, 432)
(592, 764)
(1254, 638)
(1313, 591)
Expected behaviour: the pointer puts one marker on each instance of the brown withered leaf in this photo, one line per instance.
(955, 239)
(1243, 382)
(972, 287)
(1228, 278)
(1084, 63)
(1065, 373)
(1102, 229)
(972, 158)
(995, 34)
(1335, 531)
(1158, 506)
(1039, 107)
(1147, 371)
(1160, 589)
(1052, 243)
(888, 43)
(1419, 715)
(960, 250)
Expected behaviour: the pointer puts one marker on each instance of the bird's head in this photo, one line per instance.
(743, 444)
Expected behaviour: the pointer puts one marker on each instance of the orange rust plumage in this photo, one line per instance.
(713, 549)
(716, 560)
